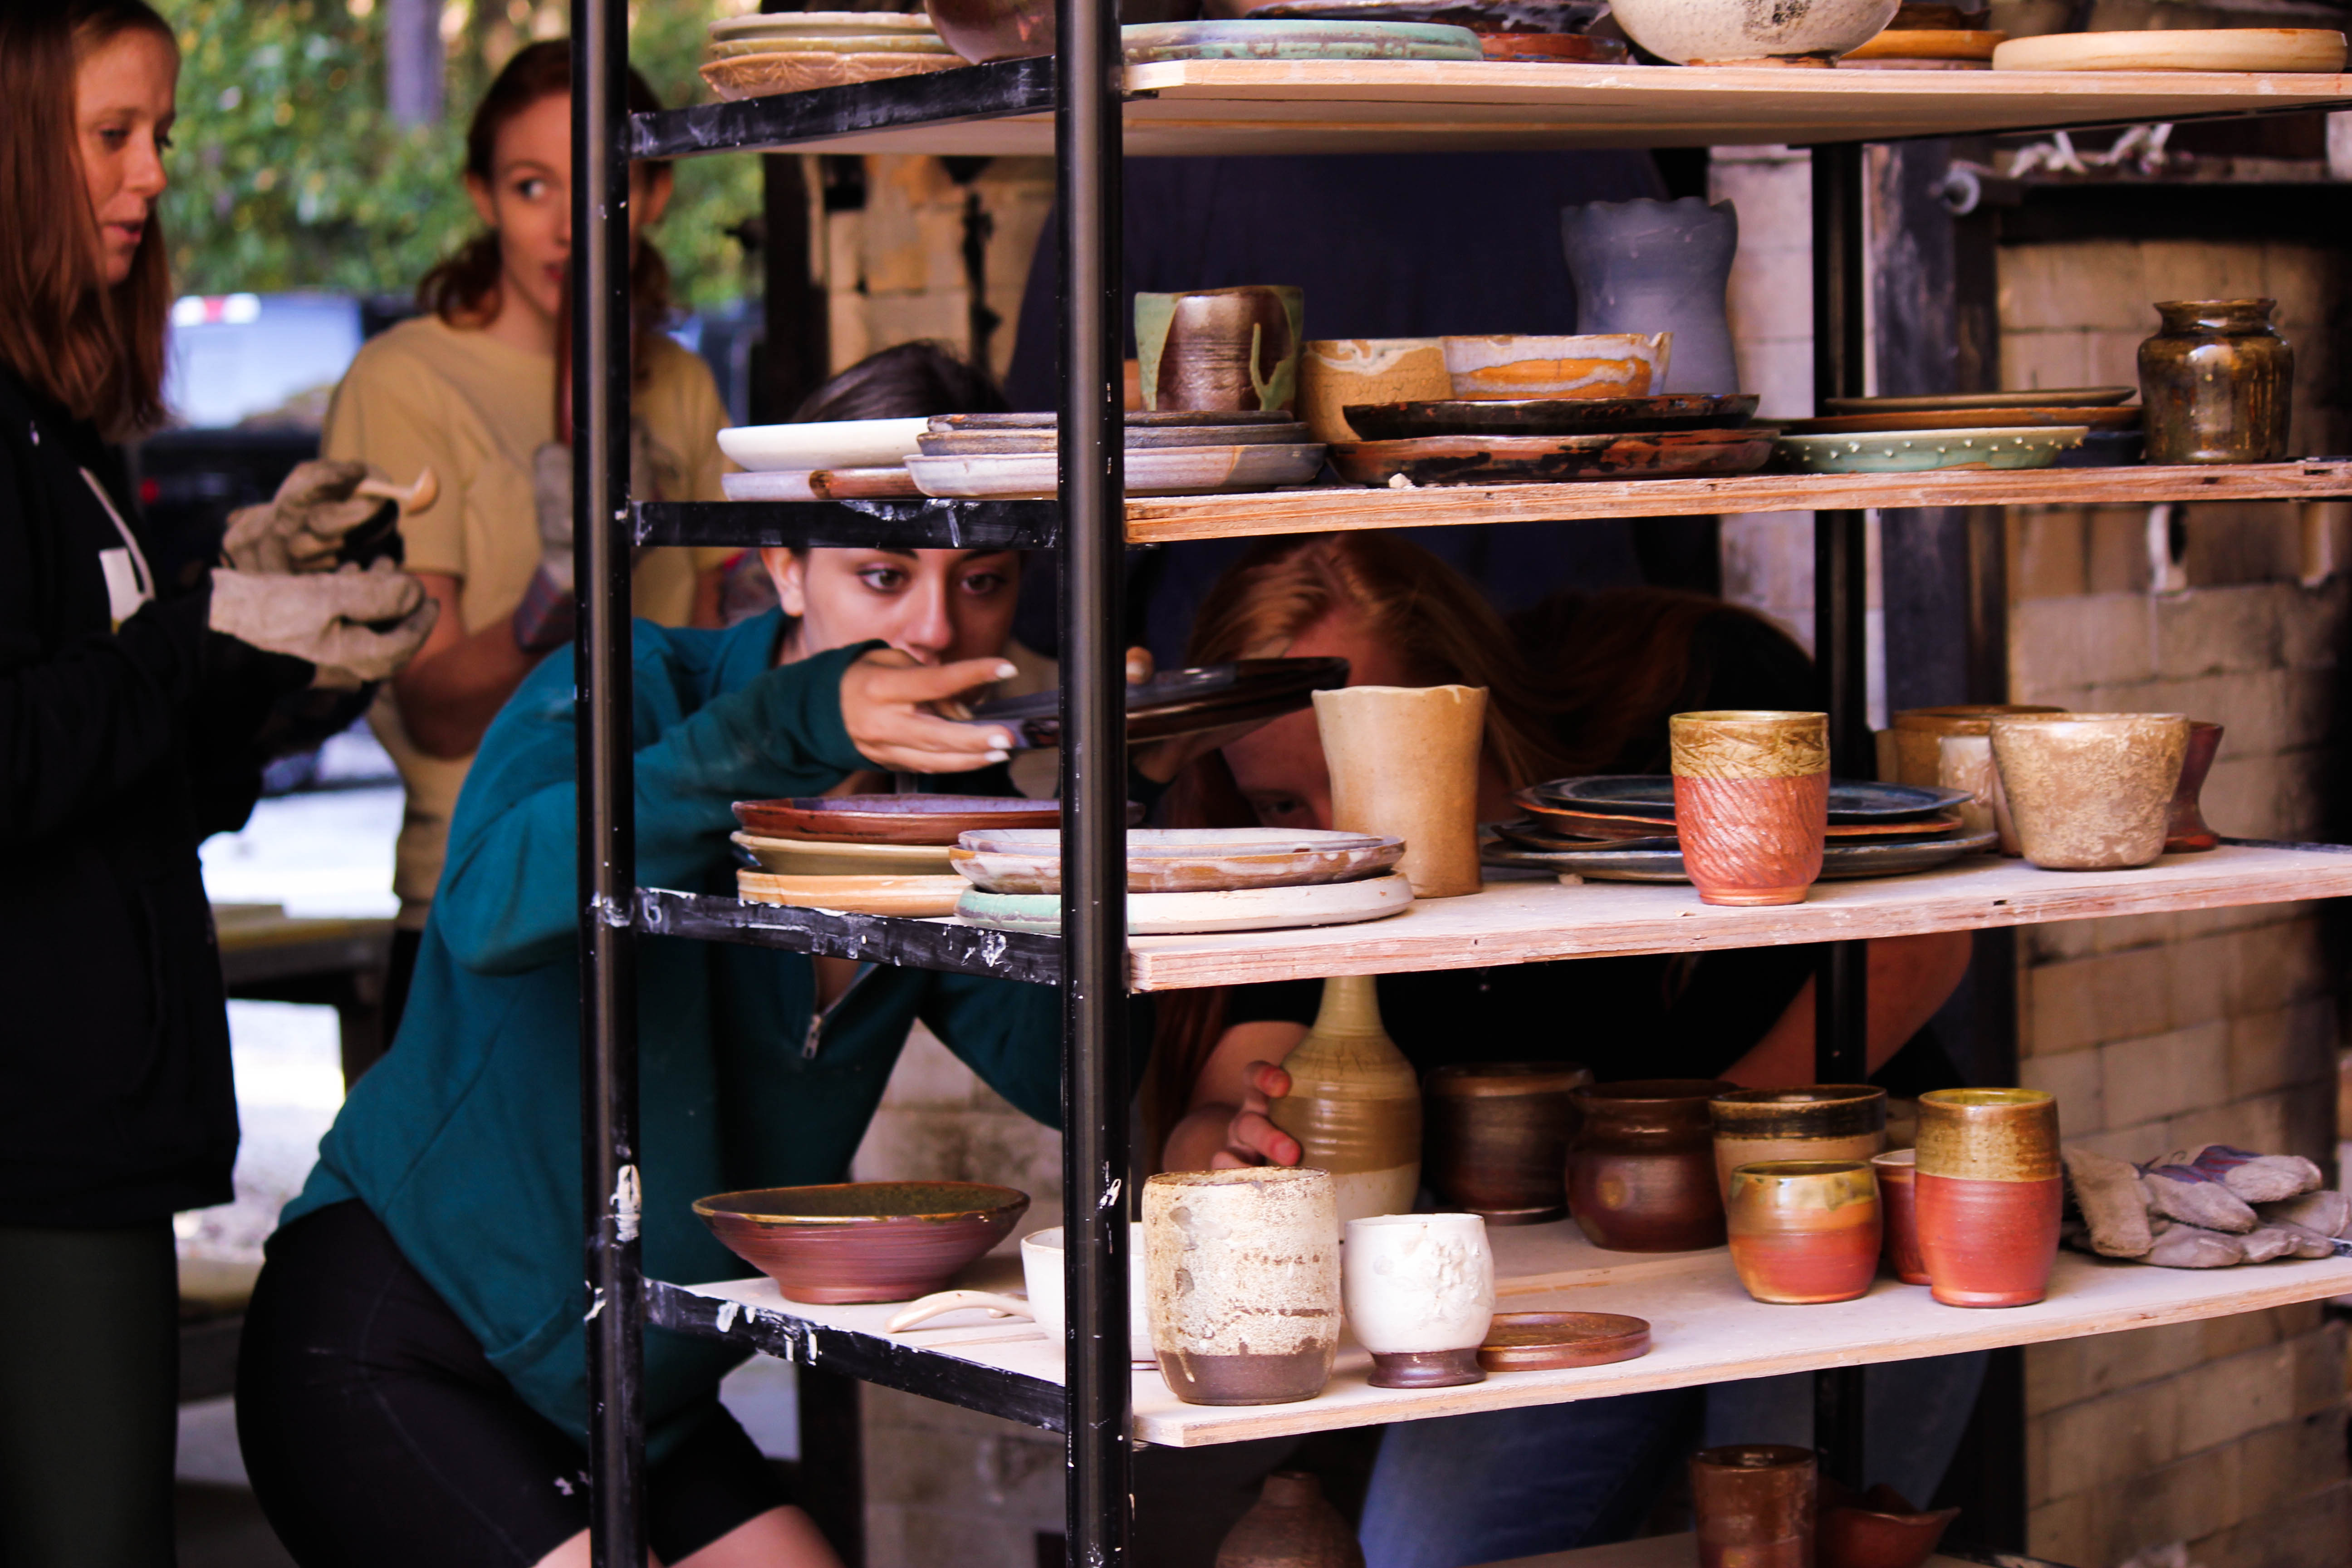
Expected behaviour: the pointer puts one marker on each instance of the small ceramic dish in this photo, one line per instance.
(1546, 1341)
(1253, 39)
(1929, 44)
(2034, 397)
(913, 897)
(819, 24)
(2127, 417)
(2290, 49)
(1926, 451)
(821, 484)
(1181, 701)
(1150, 471)
(1139, 438)
(805, 858)
(1479, 15)
(1181, 859)
(804, 70)
(825, 444)
(1653, 795)
(1644, 861)
(1177, 914)
(863, 1241)
(935, 819)
(1551, 460)
(1516, 365)
(1550, 415)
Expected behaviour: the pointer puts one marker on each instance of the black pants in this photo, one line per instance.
(378, 1436)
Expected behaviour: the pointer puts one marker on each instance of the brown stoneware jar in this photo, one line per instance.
(2184, 830)
(1641, 1171)
(2215, 382)
(2091, 792)
(983, 30)
(1754, 1506)
(1751, 802)
(1814, 1121)
(1494, 1137)
(1229, 350)
(1910, 749)
(1241, 1273)
(1804, 1231)
(1898, 1212)
(1354, 1104)
(1292, 1525)
(1989, 1188)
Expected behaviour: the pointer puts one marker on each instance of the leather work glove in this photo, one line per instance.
(355, 625)
(306, 527)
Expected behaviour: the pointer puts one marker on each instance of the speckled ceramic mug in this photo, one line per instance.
(2091, 792)
(1241, 1276)
(1751, 802)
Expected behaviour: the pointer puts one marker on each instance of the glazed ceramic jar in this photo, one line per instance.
(1908, 748)
(1989, 1189)
(1494, 1137)
(2216, 381)
(1241, 1276)
(1815, 1121)
(1354, 1103)
(1405, 764)
(1229, 350)
(1645, 266)
(1898, 1213)
(1753, 1505)
(1641, 1171)
(1751, 802)
(1292, 1525)
(1420, 1293)
(2091, 792)
(1804, 1231)
(1707, 33)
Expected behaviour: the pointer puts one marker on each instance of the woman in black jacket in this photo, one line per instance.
(128, 723)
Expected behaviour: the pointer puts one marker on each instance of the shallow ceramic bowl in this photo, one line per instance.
(1653, 861)
(810, 857)
(2295, 49)
(825, 444)
(863, 1241)
(1751, 32)
(972, 443)
(1921, 451)
(2035, 397)
(1516, 365)
(910, 897)
(804, 70)
(923, 43)
(2123, 418)
(935, 819)
(982, 30)
(1264, 40)
(1548, 416)
(1183, 860)
(1150, 471)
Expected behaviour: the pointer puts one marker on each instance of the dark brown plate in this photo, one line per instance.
(1605, 825)
(1185, 701)
(1546, 1341)
(891, 819)
(1548, 416)
(1553, 459)
(862, 484)
(971, 443)
(1555, 48)
(863, 1241)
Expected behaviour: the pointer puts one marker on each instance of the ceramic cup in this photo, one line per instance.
(1753, 1504)
(1804, 1231)
(1041, 1272)
(1405, 764)
(2184, 828)
(1990, 1187)
(2091, 792)
(1908, 751)
(1898, 1212)
(1233, 350)
(1641, 1171)
(1336, 371)
(1509, 365)
(1751, 802)
(1242, 1275)
(1420, 1292)
(1814, 1121)
(1494, 1137)
(1965, 762)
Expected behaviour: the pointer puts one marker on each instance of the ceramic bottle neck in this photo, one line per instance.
(1351, 1006)
(2216, 317)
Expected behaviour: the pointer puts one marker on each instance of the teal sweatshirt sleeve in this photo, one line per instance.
(509, 895)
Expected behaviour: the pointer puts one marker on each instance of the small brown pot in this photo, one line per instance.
(1234, 350)
(1495, 1135)
(1989, 1189)
(1817, 1122)
(2216, 381)
(1751, 802)
(982, 30)
(1898, 1212)
(1879, 1530)
(1292, 1525)
(2184, 831)
(1754, 1505)
(2091, 792)
(1641, 1171)
(1804, 1231)
(1913, 734)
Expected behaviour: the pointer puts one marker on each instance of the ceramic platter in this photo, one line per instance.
(1267, 40)
(1651, 863)
(789, 70)
(2127, 417)
(820, 25)
(2037, 397)
(1548, 416)
(1182, 860)
(1922, 451)
(1139, 438)
(807, 858)
(1150, 471)
(831, 444)
(1653, 795)
(1929, 44)
(1184, 701)
(916, 895)
(1179, 914)
(1551, 460)
(1545, 1341)
(2178, 49)
(932, 819)
(820, 484)
(1478, 15)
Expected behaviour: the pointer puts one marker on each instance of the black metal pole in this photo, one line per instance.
(1094, 786)
(600, 328)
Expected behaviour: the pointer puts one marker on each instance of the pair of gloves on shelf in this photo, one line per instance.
(292, 582)
(2223, 1207)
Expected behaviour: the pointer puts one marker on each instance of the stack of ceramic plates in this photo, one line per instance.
(1183, 701)
(791, 51)
(1500, 441)
(2075, 426)
(1168, 454)
(868, 853)
(1253, 39)
(1622, 827)
(1193, 880)
(844, 460)
(1540, 30)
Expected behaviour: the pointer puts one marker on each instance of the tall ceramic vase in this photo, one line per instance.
(1354, 1103)
(1659, 266)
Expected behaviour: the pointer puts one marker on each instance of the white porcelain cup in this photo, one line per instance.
(1420, 1291)
(1041, 1271)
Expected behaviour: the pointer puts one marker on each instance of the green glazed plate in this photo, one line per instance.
(1924, 451)
(1247, 40)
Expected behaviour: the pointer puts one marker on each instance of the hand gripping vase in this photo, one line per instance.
(1354, 1103)
(1659, 266)
(1988, 1191)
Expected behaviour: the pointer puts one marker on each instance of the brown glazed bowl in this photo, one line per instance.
(1641, 1171)
(983, 30)
(1813, 1121)
(863, 1241)
(1494, 1137)
(1879, 1530)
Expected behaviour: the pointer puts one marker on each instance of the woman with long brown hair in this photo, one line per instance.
(129, 719)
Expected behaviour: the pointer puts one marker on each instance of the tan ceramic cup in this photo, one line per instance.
(1751, 802)
(1404, 764)
(1241, 1275)
(1908, 751)
(1336, 371)
(1965, 762)
(2091, 792)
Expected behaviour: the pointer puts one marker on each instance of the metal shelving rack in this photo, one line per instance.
(1190, 107)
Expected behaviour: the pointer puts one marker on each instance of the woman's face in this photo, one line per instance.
(940, 605)
(1279, 766)
(122, 124)
(528, 201)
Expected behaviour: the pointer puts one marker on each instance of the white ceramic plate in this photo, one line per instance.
(807, 857)
(1922, 451)
(2178, 49)
(1177, 914)
(918, 896)
(1150, 471)
(1183, 860)
(821, 24)
(834, 443)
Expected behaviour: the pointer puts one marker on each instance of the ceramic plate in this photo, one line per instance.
(2178, 49)
(1553, 48)
(1269, 40)
(932, 819)
(1601, 825)
(1478, 15)
(1548, 416)
(2123, 418)
(971, 443)
(830, 444)
(821, 24)
(1551, 460)
(1922, 451)
(1184, 701)
(1153, 471)
(804, 44)
(807, 857)
(1136, 419)
(1539, 1341)
(1176, 914)
(1929, 44)
(790, 70)
(1653, 795)
(1645, 863)
(2037, 397)
(820, 484)
(1182, 860)
(917, 896)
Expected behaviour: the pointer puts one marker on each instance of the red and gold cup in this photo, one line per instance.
(1988, 1191)
(1751, 802)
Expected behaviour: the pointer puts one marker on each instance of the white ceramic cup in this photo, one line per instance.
(1041, 1271)
(1420, 1291)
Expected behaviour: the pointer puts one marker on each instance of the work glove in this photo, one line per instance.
(543, 621)
(355, 625)
(307, 525)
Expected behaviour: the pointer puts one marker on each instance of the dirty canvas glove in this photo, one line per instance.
(544, 620)
(2324, 1212)
(355, 626)
(2308, 1243)
(2187, 1247)
(2113, 1202)
(2257, 1178)
(2193, 1197)
(303, 529)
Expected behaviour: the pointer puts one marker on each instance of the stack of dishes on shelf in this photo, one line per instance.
(1621, 827)
(1546, 31)
(1191, 879)
(974, 456)
(1928, 38)
(868, 853)
(1551, 438)
(791, 51)
(846, 459)
(1250, 39)
(2074, 428)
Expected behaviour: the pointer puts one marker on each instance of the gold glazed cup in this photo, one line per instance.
(1804, 1231)
(1989, 1189)
(2091, 792)
(1751, 802)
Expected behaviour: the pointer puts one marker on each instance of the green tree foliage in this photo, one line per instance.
(291, 173)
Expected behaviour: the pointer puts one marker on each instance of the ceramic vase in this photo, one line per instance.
(1292, 1525)
(1334, 373)
(2215, 382)
(1641, 1171)
(2184, 828)
(1804, 1231)
(1420, 1292)
(1405, 764)
(1354, 1103)
(1751, 802)
(1041, 1273)
(1242, 1275)
(1753, 1505)
(1644, 266)
(1513, 366)
(1229, 350)
(1816, 1121)
(1910, 753)
(1494, 1137)
(1697, 32)
(1898, 1213)
(1989, 1188)
(2091, 792)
